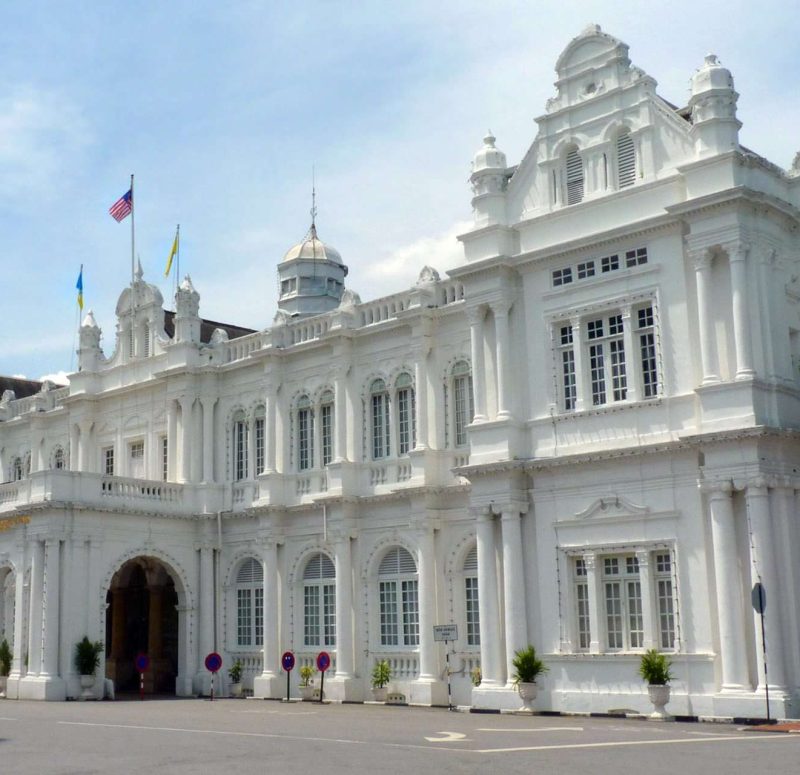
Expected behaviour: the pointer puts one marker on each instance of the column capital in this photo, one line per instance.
(701, 258)
(500, 307)
(186, 402)
(643, 558)
(737, 250)
(475, 314)
(510, 510)
(481, 513)
(716, 488)
(589, 560)
(759, 486)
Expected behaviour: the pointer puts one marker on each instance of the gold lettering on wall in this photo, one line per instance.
(11, 522)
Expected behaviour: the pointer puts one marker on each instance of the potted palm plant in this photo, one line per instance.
(306, 682)
(5, 666)
(86, 661)
(655, 669)
(527, 668)
(381, 674)
(235, 674)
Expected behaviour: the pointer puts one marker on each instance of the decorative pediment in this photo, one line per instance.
(612, 505)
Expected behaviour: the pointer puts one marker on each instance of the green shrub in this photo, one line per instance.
(306, 674)
(87, 656)
(655, 668)
(235, 671)
(527, 666)
(5, 658)
(381, 674)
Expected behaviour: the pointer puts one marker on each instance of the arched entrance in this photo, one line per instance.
(142, 617)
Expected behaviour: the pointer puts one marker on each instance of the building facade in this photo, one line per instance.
(585, 437)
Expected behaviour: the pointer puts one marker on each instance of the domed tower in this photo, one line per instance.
(713, 102)
(311, 276)
(489, 184)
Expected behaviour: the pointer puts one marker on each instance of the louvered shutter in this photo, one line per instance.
(574, 177)
(471, 561)
(251, 572)
(626, 161)
(397, 561)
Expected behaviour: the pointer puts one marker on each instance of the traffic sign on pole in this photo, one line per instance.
(323, 663)
(287, 660)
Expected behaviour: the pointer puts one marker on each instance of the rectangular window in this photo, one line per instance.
(665, 600)
(244, 620)
(410, 613)
(569, 384)
(562, 276)
(387, 591)
(598, 374)
(462, 393)
(618, 378)
(311, 607)
(259, 615)
(380, 426)
(609, 263)
(259, 431)
(240, 450)
(473, 616)
(623, 603)
(582, 605)
(585, 269)
(108, 461)
(635, 257)
(329, 614)
(404, 421)
(647, 351)
(305, 431)
(164, 458)
(326, 417)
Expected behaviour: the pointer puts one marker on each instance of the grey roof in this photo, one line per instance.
(22, 387)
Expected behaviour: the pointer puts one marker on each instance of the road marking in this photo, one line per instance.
(622, 743)
(449, 737)
(9, 719)
(532, 729)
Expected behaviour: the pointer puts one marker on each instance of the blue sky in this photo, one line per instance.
(221, 109)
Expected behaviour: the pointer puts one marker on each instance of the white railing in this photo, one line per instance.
(252, 666)
(449, 293)
(139, 489)
(382, 309)
(375, 474)
(243, 347)
(9, 492)
(404, 667)
(307, 330)
(460, 459)
(20, 406)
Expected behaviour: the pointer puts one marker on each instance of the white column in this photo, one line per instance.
(35, 617)
(271, 610)
(74, 454)
(340, 414)
(595, 603)
(737, 255)
(475, 317)
(646, 586)
(730, 606)
(206, 608)
(488, 606)
(208, 438)
(516, 611)
(500, 310)
(344, 609)
(197, 443)
(631, 356)
(580, 372)
(52, 579)
(172, 441)
(18, 663)
(708, 348)
(251, 449)
(85, 446)
(186, 438)
(270, 416)
(427, 606)
(421, 396)
(763, 569)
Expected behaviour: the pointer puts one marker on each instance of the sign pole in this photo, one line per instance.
(764, 648)
(212, 686)
(758, 597)
(321, 685)
(141, 686)
(447, 659)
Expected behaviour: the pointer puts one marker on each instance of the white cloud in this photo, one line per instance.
(59, 377)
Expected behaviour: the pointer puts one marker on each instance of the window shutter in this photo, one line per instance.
(319, 566)
(251, 572)
(471, 561)
(626, 161)
(396, 561)
(574, 177)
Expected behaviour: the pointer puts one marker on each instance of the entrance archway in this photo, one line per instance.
(142, 617)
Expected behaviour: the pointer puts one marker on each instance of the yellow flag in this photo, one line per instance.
(173, 252)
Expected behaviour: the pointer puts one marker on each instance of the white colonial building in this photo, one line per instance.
(585, 438)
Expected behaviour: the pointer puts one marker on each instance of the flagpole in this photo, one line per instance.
(178, 256)
(133, 233)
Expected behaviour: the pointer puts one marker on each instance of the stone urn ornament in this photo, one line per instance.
(527, 668)
(86, 661)
(655, 669)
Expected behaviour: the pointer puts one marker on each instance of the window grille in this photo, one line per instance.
(562, 276)
(164, 458)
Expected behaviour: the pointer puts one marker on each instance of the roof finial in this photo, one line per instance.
(313, 202)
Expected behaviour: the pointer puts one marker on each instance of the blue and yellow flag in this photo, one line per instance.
(79, 286)
(173, 252)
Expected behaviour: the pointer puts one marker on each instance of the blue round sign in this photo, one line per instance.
(213, 662)
(142, 663)
(287, 660)
(323, 661)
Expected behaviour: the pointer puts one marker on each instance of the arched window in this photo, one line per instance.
(379, 403)
(471, 598)
(319, 602)
(626, 160)
(305, 434)
(462, 401)
(398, 596)
(239, 447)
(58, 459)
(250, 603)
(326, 426)
(574, 176)
(404, 397)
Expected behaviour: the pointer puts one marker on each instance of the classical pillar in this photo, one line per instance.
(500, 311)
(172, 441)
(763, 569)
(85, 446)
(340, 414)
(344, 608)
(631, 356)
(516, 612)
(421, 396)
(74, 454)
(646, 596)
(206, 626)
(737, 255)
(708, 348)
(730, 606)
(197, 445)
(595, 605)
(35, 617)
(270, 418)
(250, 437)
(427, 606)
(475, 317)
(580, 371)
(488, 607)
(50, 630)
(271, 610)
(208, 438)
(186, 438)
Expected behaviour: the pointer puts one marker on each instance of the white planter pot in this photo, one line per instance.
(236, 689)
(87, 684)
(527, 692)
(659, 696)
(379, 693)
(3, 686)
(306, 693)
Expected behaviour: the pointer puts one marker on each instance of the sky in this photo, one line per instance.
(221, 110)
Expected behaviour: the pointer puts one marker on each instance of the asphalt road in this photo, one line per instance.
(257, 736)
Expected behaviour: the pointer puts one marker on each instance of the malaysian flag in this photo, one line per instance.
(121, 209)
